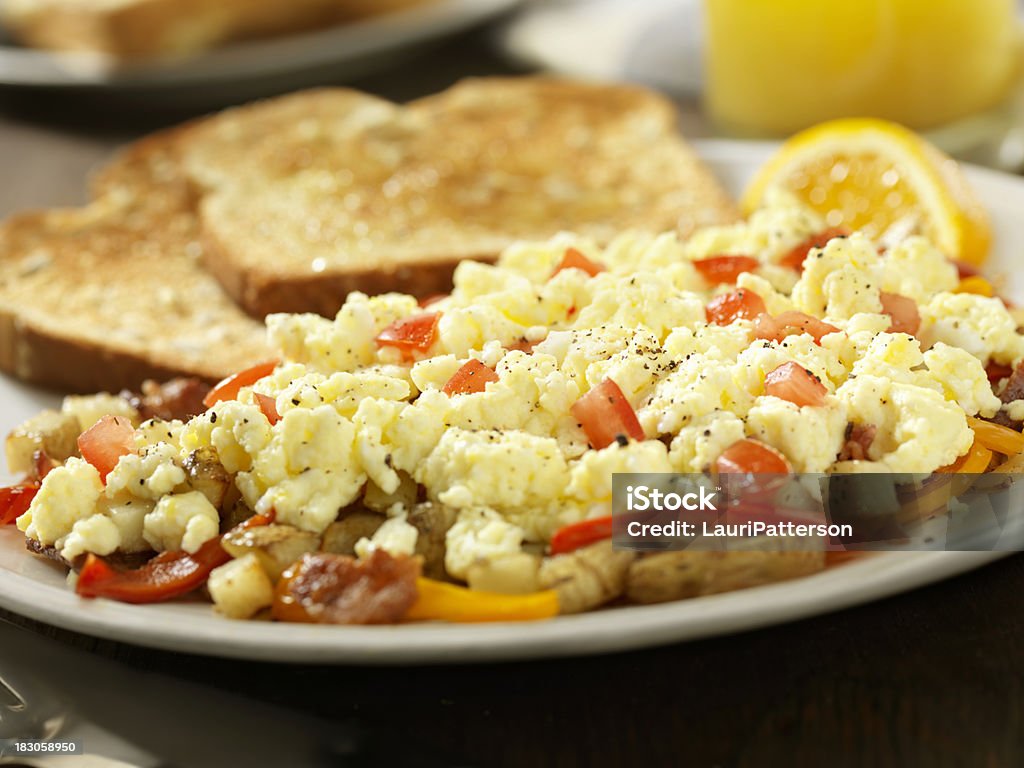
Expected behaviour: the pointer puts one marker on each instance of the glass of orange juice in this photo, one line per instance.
(776, 66)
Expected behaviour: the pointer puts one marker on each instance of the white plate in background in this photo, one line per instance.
(36, 588)
(346, 50)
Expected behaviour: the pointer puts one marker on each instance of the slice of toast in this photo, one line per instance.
(310, 196)
(134, 29)
(105, 296)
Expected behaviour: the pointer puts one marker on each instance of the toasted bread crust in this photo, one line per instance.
(325, 294)
(74, 365)
(337, 190)
(105, 296)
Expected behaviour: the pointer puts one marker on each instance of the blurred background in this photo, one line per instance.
(79, 77)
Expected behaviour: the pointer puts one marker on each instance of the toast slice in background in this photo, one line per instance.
(289, 204)
(307, 197)
(136, 29)
(105, 296)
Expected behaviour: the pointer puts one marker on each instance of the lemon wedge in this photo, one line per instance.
(881, 178)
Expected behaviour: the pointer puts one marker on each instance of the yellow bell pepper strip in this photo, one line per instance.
(996, 437)
(439, 601)
(975, 461)
(977, 285)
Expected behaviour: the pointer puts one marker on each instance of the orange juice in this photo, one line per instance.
(776, 66)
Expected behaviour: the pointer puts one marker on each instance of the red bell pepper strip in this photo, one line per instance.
(166, 576)
(575, 535)
(228, 388)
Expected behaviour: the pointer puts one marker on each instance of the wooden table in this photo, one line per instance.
(930, 678)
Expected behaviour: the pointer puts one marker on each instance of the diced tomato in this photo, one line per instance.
(606, 415)
(724, 269)
(576, 535)
(15, 500)
(471, 377)
(411, 334)
(903, 311)
(998, 371)
(228, 388)
(751, 456)
(795, 258)
(796, 384)
(778, 328)
(166, 576)
(105, 442)
(268, 405)
(522, 345)
(728, 307)
(432, 299)
(573, 259)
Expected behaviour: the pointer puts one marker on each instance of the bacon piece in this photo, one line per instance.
(324, 588)
(858, 440)
(180, 398)
(1014, 390)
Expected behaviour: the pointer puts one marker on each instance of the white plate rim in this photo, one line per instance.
(193, 628)
(617, 629)
(253, 59)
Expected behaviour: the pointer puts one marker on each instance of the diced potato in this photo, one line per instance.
(340, 538)
(510, 574)
(233, 509)
(432, 520)
(207, 475)
(375, 499)
(88, 409)
(275, 547)
(670, 576)
(52, 432)
(586, 578)
(240, 588)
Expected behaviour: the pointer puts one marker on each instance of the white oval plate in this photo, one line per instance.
(348, 49)
(36, 588)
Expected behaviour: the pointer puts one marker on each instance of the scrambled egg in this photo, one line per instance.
(512, 460)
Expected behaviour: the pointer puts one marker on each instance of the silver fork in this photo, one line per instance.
(31, 710)
(27, 712)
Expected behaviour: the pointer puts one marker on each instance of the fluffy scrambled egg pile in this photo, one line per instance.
(360, 424)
